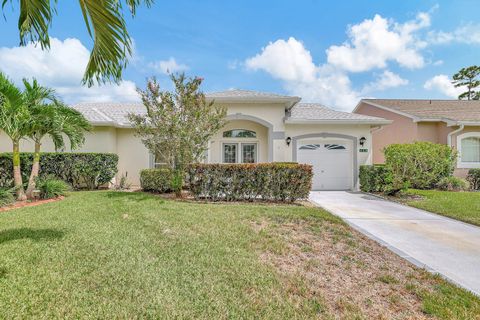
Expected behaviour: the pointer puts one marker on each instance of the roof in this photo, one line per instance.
(236, 93)
(318, 113)
(450, 111)
(109, 113)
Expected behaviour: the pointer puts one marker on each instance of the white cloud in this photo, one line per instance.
(62, 68)
(385, 81)
(443, 84)
(374, 42)
(168, 66)
(468, 34)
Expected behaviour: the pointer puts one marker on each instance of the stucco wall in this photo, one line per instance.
(132, 156)
(272, 113)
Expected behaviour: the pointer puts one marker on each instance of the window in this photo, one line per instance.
(239, 133)
(160, 161)
(327, 146)
(230, 153)
(247, 154)
(470, 149)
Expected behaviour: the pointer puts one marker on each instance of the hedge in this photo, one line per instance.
(239, 182)
(375, 178)
(80, 170)
(156, 180)
(473, 177)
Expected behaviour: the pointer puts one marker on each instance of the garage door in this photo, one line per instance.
(331, 161)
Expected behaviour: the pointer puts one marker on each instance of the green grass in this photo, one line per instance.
(132, 255)
(464, 206)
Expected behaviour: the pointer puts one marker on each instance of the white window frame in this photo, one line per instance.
(466, 165)
(239, 156)
(223, 152)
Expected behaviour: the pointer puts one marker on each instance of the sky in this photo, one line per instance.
(330, 52)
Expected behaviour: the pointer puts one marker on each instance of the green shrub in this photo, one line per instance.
(263, 181)
(6, 197)
(473, 178)
(51, 187)
(419, 165)
(156, 180)
(375, 178)
(80, 170)
(452, 184)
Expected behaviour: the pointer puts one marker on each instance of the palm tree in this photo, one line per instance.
(106, 25)
(52, 119)
(14, 121)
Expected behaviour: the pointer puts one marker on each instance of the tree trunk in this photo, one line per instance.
(17, 173)
(35, 169)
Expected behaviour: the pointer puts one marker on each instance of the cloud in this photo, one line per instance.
(385, 81)
(443, 84)
(468, 34)
(374, 42)
(168, 66)
(61, 68)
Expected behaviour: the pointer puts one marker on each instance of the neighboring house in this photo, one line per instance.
(262, 127)
(452, 122)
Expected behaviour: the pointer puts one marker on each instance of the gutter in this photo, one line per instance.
(449, 136)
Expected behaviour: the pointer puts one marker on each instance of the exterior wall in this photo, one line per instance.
(133, 156)
(401, 130)
(272, 113)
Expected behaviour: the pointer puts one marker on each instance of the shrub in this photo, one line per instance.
(419, 165)
(375, 178)
(264, 181)
(80, 170)
(6, 197)
(156, 180)
(452, 184)
(473, 177)
(51, 187)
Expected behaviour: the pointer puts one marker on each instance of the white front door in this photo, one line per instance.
(331, 160)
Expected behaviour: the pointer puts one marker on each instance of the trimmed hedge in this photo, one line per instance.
(80, 170)
(473, 177)
(375, 178)
(239, 182)
(156, 180)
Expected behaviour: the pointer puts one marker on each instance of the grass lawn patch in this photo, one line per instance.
(464, 206)
(133, 255)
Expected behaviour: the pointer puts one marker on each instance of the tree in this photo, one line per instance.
(52, 119)
(178, 125)
(105, 23)
(14, 121)
(468, 77)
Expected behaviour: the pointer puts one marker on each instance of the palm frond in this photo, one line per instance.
(34, 21)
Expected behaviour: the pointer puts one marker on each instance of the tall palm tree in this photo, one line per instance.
(106, 25)
(56, 121)
(14, 121)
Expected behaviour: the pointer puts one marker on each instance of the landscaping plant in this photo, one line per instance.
(51, 187)
(6, 197)
(375, 178)
(452, 183)
(473, 178)
(178, 125)
(156, 180)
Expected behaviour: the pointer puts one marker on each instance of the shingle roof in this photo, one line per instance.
(455, 110)
(316, 112)
(109, 113)
(248, 94)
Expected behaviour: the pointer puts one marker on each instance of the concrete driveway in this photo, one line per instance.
(439, 244)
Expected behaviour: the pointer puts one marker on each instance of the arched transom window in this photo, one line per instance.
(239, 133)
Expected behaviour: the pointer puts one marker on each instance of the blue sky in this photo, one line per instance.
(331, 52)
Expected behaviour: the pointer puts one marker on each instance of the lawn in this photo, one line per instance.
(132, 255)
(464, 206)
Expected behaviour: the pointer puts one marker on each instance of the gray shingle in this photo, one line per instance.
(248, 94)
(316, 111)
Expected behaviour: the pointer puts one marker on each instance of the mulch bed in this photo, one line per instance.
(23, 204)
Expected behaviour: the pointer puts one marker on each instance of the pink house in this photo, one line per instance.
(452, 122)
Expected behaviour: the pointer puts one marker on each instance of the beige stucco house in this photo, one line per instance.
(262, 127)
(452, 122)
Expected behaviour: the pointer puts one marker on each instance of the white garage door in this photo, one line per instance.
(331, 161)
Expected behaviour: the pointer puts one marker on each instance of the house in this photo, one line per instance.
(452, 122)
(262, 127)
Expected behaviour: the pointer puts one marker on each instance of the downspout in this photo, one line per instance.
(449, 136)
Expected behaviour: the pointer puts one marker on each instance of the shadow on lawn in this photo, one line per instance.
(135, 196)
(28, 233)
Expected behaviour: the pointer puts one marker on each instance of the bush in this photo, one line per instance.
(419, 165)
(264, 181)
(6, 197)
(51, 187)
(473, 177)
(375, 178)
(80, 170)
(452, 184)
(156, 180)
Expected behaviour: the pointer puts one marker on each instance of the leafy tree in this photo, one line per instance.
(52, 119)
(14, 121)
(178, 125)
(468, 77)
(105, 23)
